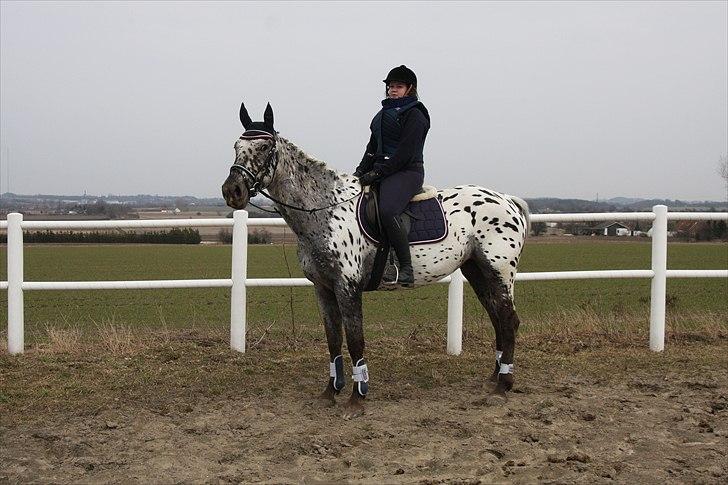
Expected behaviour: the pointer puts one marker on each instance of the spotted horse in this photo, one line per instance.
(486, 233)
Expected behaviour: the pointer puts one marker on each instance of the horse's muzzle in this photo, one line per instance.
(235, 192)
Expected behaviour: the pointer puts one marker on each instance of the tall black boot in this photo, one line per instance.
(397, 234)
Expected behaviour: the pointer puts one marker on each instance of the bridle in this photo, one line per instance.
(254, 182)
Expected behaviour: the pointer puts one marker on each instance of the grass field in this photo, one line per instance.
(552, 306)
(141, 386)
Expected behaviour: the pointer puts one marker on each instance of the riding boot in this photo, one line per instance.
(397, 234)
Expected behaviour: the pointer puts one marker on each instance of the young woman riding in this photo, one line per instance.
(393, 158)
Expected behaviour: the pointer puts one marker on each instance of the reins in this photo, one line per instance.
(310, 211)
(256, 186)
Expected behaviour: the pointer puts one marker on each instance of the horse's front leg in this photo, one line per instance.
(350, 303)
(332, 325)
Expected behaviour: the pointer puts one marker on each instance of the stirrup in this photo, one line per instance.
(394, 280)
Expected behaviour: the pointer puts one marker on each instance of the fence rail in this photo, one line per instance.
(238, 282)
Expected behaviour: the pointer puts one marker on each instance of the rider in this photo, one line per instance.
(393, 158)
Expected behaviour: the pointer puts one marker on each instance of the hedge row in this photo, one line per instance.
(173, 236)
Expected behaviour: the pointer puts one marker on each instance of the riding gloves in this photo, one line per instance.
(369, 177)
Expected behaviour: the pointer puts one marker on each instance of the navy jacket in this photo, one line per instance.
(404, 153)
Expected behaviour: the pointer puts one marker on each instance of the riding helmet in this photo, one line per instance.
(402, 74)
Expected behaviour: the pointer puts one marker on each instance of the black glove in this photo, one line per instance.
(358, 173)
(368, 178)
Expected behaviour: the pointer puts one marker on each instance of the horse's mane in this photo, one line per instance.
(302, 157)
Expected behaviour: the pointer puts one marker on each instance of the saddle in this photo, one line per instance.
(424, 219)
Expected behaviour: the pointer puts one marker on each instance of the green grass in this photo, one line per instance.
(386, 313)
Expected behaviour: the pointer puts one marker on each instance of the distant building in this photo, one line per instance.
(611, 229)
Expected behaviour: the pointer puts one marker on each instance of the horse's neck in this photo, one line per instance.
(304, 182)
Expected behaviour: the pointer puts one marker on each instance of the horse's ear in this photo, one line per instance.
(245, 117)
(268, 116)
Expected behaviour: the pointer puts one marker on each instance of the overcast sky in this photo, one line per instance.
(564, 99)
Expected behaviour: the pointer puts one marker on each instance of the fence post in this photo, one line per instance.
(239, 276)
(16, 331)
(455, 313)
(659, 280)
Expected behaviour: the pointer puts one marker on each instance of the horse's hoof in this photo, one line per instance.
(353, 408)
(494, 377)
(499, 391)
(328, 397)
(505, 384)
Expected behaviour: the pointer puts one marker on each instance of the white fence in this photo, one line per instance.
(238, 281)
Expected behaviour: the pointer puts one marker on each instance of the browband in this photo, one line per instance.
(256, 134)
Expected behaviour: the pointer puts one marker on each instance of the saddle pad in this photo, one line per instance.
(428, 221)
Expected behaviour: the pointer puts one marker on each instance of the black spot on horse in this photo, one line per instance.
(510, 226)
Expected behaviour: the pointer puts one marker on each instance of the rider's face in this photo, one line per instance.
(396, 89)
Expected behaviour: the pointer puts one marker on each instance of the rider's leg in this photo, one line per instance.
(395, 192)
(397, 235)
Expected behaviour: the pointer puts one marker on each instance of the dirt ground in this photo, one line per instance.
(188, 410)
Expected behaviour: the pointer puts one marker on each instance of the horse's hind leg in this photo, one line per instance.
(477, 281)
(332, 325)
(496, 298)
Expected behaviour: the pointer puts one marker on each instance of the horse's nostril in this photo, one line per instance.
(238, 193)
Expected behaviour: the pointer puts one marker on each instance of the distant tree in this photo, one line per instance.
(719, 230)
(538, 228)
(225, 236)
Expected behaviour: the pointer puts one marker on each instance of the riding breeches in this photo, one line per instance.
(396, 190)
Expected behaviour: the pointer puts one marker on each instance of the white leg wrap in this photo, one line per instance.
(336, 370)
(360, 373)
(498, 355)
(506, 369)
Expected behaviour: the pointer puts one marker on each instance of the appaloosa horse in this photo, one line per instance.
(486, 232)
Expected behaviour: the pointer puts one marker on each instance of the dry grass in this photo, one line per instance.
(624, 327)
(582, 326)
(65, 339)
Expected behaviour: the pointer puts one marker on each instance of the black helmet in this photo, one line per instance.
(402, 74)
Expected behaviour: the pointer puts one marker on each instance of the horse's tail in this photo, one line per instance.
(526, 212)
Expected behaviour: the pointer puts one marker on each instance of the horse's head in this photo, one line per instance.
(255, 160)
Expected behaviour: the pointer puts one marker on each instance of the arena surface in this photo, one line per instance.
(184, 408)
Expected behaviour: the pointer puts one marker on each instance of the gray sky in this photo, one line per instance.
(569, 99)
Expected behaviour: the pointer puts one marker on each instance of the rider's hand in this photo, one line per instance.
(368, 178)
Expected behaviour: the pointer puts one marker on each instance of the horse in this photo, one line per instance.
(485, 237)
